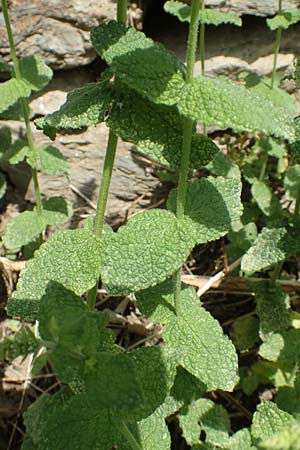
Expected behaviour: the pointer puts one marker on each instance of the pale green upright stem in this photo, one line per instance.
(187, 134)
(25, 108)
(202, 50)
(107, 170)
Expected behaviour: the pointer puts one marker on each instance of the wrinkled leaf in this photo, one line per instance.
(208, 16)
(284, 19)
(268, 419)
(84, 107)
(203, 349)
(288, 438)
(139, 121)
(144, 252)
(56, 211)
(22, 230)
(272, 245)
(283, 348)
(205, 415)
(35, 72)
(72, 258)
(52, 160)
(204, 198)
(11, 91)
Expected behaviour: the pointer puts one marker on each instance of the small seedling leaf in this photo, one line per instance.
(11, 91)
(16, 152)
(52, 160)
(56, 211)
(35, 72)
(292, 181)
(203, 349)
(22, 230)
(266, 200)
(204, 198)
(137, 120)
(146, 251)
(208, 16)
(283, 348)
(272, 245)
(284, 19)
(205, 415)
(72, 258)
(84, 107)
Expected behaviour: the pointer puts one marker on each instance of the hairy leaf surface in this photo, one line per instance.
(268, 419)
(288, 438)
(35, 72)
(146, 251)
(72, 258)
(52, 160)
(56, 211)
(157, 303)
(284, 19)
(137, 120)
(205, 415)
(203, 349)
(272, 245)
(204, 198)
(11, 91)
(266, 200)
(22, 230)
(84, 107)
(208, 16)
(288, 397)
(16, 152)
(283, 348)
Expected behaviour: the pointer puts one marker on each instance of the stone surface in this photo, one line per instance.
(252, 7)
(56, 29)
(132, 186)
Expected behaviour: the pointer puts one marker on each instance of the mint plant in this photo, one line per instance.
(113, 397)
(29, 74)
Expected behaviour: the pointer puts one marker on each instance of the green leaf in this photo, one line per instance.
(295, 145)
(292, 181)
(272, 245)
(207, 16)
(271, 298)
(137, 120)
(244, 332)
(283, 348)
(144, 65)
(205, 415)
(5, 139)
(20, 344)
(5, 67)
(72, 258)
(3, 185)
(22, 230)
(16, 152)
(152, 71)
(205, 197)
(157, 302)
(53, 422)
(266, 200)
(244, 238)
(84, 107)
(52, 160)
(288, 397)
(146, 251)
(35, 72)
(268, 419)
(56, 211)
(223, 166)
(203, 349)
(288, 438)
(11, 91)
(284, 19)
(221, 102)
(241, 440)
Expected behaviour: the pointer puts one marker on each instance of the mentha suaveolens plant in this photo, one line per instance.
(112, 398)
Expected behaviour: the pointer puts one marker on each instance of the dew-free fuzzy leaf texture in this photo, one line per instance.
(292, 181)
(205, 415)
(71, 257)
(146, 251)
(284, 19)
(288, 397)
(56, 211)
(55, 423)
(203, 349)
(221, 102)
(272, 308)
(35, 72)
(84, 107)
(137, 120)
(144, 65)
(266, 200)
(283, 348)
(241, 440)
(11, 91)
(288, 438)
(204, 198)
(52, 160)
(271, 246)
(16, 152)
(244, 332)
(208, 16)
(157, 302)
(268, 419)
(22, 230)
